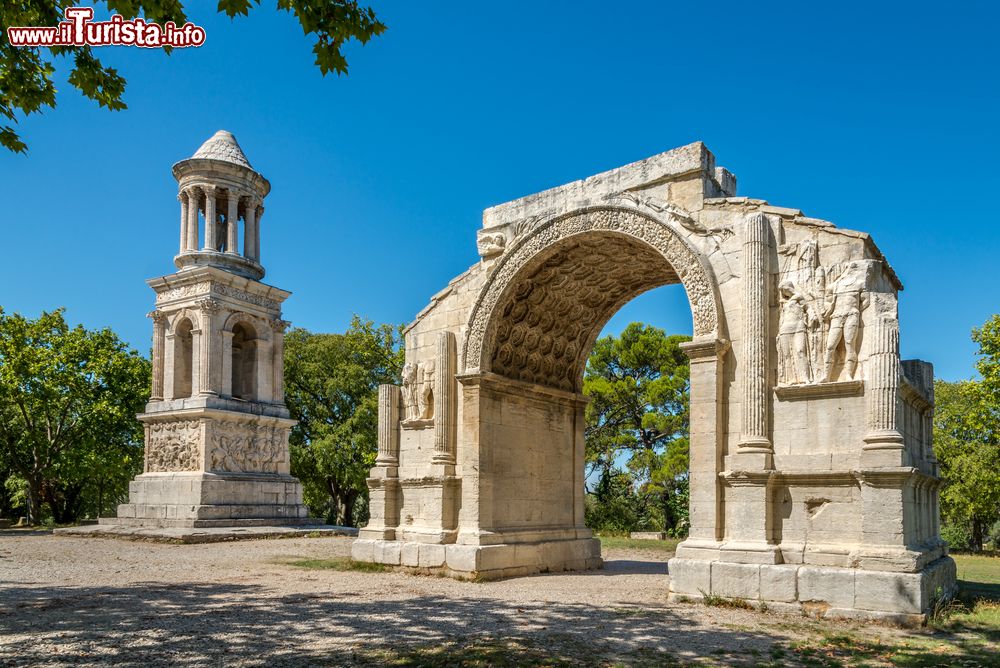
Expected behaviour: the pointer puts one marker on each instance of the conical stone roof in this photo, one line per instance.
(223, 146)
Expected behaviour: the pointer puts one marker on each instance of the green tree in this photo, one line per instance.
(68, 400)
(331, 388)
(967, 443)
(26, 85)
(638, 384)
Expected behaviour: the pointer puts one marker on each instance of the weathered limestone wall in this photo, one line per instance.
(811, 465)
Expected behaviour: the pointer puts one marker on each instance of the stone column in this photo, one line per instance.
(883, 442)
(183, 199)
(256, 234)
(210, 222)
(756, 306)
(193, 195)
(249, 228)
(232, 224)
(444, 400)
(207, 380)
(278, 326)
(159, 334)
(388, 425)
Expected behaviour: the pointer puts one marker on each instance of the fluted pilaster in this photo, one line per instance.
(206, 352)
(159, 339)
(883, 384)
(756, 243)
(388, 425)
(444, 400)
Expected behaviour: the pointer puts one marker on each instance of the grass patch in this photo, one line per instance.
(492, 652)
(337, 564)
(625, 543)
(725, 602)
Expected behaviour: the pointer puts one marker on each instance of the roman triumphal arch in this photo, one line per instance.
(813, 481)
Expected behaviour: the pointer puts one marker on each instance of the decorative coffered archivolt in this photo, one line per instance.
(536, 317)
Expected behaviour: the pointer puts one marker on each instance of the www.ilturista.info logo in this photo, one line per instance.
(79, 29)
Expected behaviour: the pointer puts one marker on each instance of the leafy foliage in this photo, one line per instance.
(331, 388)
(637, 430)
(26, 84)
(68, 399)
(967, 444)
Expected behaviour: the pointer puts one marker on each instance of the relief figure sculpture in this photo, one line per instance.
(794, 366)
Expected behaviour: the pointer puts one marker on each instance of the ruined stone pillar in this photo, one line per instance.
(388, 425)
(883, 442)
(210, 224)
(754, 434)
(249, 229)
(192, 226)
(444, 400)
(232, 229)
(183, 199)
(159, 334)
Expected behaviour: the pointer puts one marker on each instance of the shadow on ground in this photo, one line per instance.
(226, 624)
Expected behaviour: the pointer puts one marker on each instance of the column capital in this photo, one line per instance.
(157, 316)
(208, 306)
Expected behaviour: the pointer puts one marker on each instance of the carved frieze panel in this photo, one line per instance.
(183, 292)
(819, 325)
(249, 297)
(245, 446)
(173, 446)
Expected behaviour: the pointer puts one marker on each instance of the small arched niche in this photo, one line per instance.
(183, 358)
(244, 362)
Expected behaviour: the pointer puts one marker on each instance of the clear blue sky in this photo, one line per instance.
(877, 116)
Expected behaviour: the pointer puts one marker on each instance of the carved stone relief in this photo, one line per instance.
(418, 390)
(243, 295)
(245, 447)
(682, 217)
(491, 244)
(182, 292)
(819, 326)
(173, 446)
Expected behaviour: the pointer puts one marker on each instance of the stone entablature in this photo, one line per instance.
(809, 447)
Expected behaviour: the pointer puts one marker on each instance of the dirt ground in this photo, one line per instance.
(73, 601)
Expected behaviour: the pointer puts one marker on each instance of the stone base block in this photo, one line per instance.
(212, 500)
(483, 562)
(899, 598)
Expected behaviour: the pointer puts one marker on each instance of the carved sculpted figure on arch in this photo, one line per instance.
(805, 488)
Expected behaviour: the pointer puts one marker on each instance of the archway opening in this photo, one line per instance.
(244, 362)
(183, 358)
(542, 331)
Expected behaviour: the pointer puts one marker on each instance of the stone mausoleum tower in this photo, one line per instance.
(216, 423)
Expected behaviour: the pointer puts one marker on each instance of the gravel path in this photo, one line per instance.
(72, 601)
